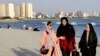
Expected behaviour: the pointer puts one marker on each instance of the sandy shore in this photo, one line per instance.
(9, 20)
(22, 43)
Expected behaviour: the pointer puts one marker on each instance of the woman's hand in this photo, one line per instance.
(62, 37)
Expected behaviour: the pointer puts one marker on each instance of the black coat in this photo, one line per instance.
(89, 47)
(67, 31)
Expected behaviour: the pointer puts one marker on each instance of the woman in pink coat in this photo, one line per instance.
(49, 41)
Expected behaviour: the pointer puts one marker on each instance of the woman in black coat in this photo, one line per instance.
(88, 42)
(66, 36)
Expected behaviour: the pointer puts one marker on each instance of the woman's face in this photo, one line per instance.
(64, 22)
(87, 28)
(49, 27)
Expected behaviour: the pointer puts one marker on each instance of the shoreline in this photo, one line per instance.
(15, 20)
(9, 20)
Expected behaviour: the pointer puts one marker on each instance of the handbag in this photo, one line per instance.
(43, 50)
(75, 52)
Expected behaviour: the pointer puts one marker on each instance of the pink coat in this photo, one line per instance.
(55, 41)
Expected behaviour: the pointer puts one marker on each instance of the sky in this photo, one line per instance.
(53, 6)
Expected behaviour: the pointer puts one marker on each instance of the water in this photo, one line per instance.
(40, 24)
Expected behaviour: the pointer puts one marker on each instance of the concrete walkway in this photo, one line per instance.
(21, 43)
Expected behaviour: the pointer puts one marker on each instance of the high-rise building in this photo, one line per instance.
(62, 14)
(22, 10)
(17, 11)
(10, 10)
(28, 10)
(71, 14)
(2, 10)
(96, 14)
(86, 15)
(79, 14)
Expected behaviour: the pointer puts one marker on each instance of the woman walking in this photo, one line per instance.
(88, 42)
(49, 41)
(66, 35)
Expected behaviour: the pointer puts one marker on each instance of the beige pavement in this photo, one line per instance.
(21, 43)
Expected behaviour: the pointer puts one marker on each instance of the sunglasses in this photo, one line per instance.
(50, 25)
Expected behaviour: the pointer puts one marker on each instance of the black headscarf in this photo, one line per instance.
(92, 37)
(67, 31)
(92, 34)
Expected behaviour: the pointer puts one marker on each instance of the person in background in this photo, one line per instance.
(25, 27)
(30, 28)
(36, 29)
(8, 26)
(49, 41)
(66, 36)
(88, 42)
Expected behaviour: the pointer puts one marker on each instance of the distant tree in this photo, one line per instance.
(6, 17)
